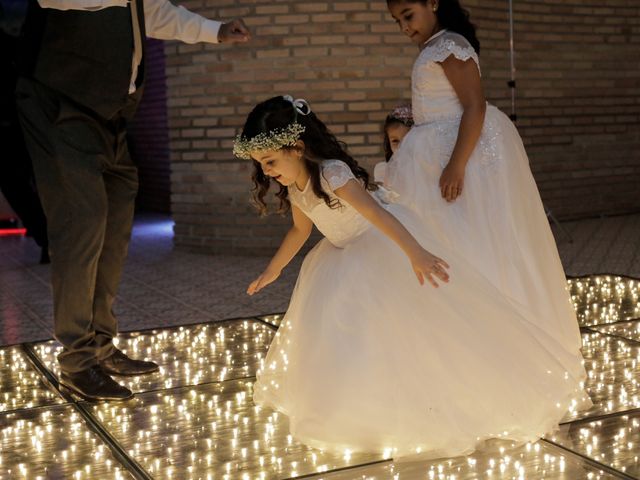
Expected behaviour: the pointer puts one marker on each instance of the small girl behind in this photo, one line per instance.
(396, 126)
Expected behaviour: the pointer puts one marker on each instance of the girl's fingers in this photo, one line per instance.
(442, 262)
(432, 281)
(443, 182)
(439, 272)
(254, 286)
(442, 275)
(425, 274)
(453, 192)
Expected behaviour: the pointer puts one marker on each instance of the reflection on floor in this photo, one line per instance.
(195, 419)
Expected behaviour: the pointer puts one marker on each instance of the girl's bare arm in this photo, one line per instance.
(424, 263)
(465, 79)
(291, 244)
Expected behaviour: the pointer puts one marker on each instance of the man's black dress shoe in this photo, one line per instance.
(120, 364)
(94, 384)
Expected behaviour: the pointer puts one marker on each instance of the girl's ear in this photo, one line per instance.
(299, 147)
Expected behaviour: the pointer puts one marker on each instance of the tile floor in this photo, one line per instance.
(163, 286)
(195, 419)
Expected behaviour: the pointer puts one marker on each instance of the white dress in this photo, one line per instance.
(367, 359)
(498, 224)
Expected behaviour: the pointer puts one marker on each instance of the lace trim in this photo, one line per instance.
(336, 173)
(440, 51)
(304, 201)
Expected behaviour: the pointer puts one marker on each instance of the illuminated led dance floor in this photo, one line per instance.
(195, 419)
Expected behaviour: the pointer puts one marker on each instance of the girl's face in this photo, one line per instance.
(284, 166)
(416, 20)
(396, 132)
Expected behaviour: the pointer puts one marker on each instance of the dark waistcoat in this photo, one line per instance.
(85, 55)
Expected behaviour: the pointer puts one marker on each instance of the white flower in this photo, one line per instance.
(273, 140)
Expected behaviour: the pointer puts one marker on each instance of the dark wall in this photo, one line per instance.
(149, 135)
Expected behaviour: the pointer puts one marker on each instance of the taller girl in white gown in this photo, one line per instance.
(367, 358)
(464, 170)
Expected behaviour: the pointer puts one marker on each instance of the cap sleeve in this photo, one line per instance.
(336, 173)
(451, 43)
(379, 172)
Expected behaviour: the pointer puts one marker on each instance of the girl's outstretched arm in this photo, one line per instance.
(424, 263)
(465, 80)
(292, 243)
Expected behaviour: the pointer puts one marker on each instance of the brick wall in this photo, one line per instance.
(577, 100)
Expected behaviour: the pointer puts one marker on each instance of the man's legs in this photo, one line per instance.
(69, 149)
(88, 186)
(121, 185)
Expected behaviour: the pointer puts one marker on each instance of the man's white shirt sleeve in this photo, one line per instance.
(163, 20)
(81, 4)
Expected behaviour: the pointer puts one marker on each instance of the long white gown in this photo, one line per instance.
(367, 359)
(498, 224)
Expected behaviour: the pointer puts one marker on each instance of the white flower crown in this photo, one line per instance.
(276, 138)
(403, 113)
(273, 140)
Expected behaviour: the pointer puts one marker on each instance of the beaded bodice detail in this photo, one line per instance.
(432, 96)
(340, 224)
(435, 103)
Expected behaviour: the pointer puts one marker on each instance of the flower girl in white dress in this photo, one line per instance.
(369, 357)
(395, 128)
(464, 170)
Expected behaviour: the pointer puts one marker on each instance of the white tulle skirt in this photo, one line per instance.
(498, 224)
(367, 359)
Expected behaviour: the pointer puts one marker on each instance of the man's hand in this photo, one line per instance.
(234, 31)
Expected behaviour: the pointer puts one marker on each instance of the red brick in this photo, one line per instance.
(577, 104)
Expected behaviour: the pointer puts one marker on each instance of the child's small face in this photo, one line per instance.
(284, 166)
(395, 133)
(416, 20)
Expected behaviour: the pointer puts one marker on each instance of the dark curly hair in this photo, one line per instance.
(319, 144)
(454, 17)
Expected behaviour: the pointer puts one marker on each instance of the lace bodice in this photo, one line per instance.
(432, 96)
(338, 225)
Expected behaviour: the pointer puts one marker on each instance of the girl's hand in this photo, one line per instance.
(452, 181)
(425, 265)
(265, 278)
